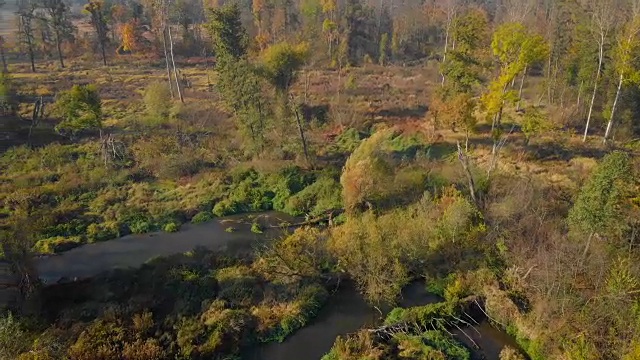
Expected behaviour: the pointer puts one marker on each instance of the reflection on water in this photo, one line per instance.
(134, 250)
(490, 340)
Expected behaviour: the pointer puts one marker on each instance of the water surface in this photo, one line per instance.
(132, 251)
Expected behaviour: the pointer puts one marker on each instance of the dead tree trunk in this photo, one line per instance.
(166, 61)
(59, 48)
(464, 161)
(175, 71)
(303, 140)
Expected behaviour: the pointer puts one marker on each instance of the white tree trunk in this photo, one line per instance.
(175, 71)
(446, 47)
(613, 109)
(595, 88)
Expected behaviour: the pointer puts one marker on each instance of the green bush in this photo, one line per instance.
(324, 194)
(103, 231)
(80, 110)
(140, 227)
(201, 217)
(256, 228)
(225, 207)
(157, 99)
(171, 227)
(57, 244)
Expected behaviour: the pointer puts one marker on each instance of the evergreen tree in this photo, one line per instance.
(227, 32)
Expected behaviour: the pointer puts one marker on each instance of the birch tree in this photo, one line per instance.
(625, 63)
(601, 23)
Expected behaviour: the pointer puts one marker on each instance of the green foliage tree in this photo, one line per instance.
(80, 109)
(281, 63)
(241, 90)
(600, 206)
(227, 32)
(462, 66)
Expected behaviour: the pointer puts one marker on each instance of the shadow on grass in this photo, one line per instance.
(417, 111)
(553, 151)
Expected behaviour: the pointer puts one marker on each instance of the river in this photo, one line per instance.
(345, 312)
(132, 251)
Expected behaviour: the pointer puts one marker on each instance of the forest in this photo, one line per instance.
(483, 151)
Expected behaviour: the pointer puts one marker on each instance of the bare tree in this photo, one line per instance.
(517, 10)
(57, 12)
(26, 32)
(99, 22)
(162, 17)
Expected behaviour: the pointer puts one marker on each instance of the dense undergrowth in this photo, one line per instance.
(78, 200)
(195, 306)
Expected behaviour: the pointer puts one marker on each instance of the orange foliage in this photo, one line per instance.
(130, 36)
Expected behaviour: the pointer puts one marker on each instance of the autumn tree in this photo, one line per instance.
(367, 174)
(129, 32)
(80, 110)
(62, 28)
(516, 49)
(97, 10)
